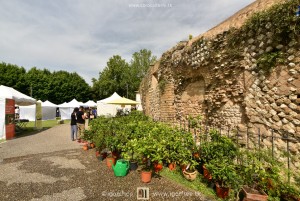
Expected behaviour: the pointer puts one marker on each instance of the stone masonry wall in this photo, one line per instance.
(239, 79)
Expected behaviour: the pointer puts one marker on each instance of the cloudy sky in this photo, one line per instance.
(81, 35)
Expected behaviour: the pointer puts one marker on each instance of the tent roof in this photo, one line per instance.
(123, 101)
(20, 98)
(48, 104)
(90, 103)
(65, 104)
(73, 103)
(112, 97)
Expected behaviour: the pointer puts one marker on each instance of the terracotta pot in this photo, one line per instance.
(206, 174)
(85, 147)
(110, 161)
(252, 194)
(191, 176)
(182, 167)
(158, 167)
(92, 145)
(222, 192)
(172, 166)
(146, 176)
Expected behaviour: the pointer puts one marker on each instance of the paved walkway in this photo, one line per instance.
(49, 166)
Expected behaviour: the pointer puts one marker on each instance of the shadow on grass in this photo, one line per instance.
(29, 131)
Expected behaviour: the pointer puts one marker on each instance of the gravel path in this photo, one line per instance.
(49, 166)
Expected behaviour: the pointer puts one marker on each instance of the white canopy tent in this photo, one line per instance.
(66, 109)
(108, 109)
(20, 99)
(90, 103)
(29, 112)
(48, 110)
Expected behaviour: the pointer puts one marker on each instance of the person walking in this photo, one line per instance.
(80, 123)
(74, 124)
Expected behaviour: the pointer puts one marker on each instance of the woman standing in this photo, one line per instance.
(73, 124)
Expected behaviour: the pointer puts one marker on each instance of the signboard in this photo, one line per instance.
(10, 118)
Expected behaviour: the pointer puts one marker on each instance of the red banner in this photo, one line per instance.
(10, 118)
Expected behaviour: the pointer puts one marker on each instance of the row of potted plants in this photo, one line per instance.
(248, 174)
(136, 138)
(152, 144)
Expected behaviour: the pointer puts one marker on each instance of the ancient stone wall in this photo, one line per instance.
(242, 78)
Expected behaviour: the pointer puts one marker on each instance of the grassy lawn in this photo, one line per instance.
(31, 129)
(198, 184)
(46, 124)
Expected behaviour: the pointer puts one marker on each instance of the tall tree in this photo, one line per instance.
(65, 86)
(112, 78)
(37, 82)
(139, 66)
(13, 76)
(121, 77)
(56, 87)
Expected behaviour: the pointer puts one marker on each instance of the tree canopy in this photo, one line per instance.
(57, 87)
(122, 77)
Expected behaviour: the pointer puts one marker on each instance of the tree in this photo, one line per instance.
(65, 86)
(121, 77)
(139, 66)
(112, 78)
(13, 76)
(37, 82)
(57, 87)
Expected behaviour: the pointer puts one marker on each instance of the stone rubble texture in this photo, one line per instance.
(205, 77)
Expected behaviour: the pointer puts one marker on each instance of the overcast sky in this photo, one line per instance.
(81, 35)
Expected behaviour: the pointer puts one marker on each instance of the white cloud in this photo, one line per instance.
(81, 36)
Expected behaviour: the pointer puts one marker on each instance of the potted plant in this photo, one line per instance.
(146, 173)
(129, 153)
(225, 176)
(219, 148)
(190, 172)
(146, 150)
(252, 171)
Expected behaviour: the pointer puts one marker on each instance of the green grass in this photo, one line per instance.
(2, 140)
(198, 184)
(30, 128)
(46, 124)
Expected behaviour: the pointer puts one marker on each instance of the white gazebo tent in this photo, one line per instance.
(66, 109)
(18, 97)
(48, 111)
(90, 103)
(108, 109)
(28, 112)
